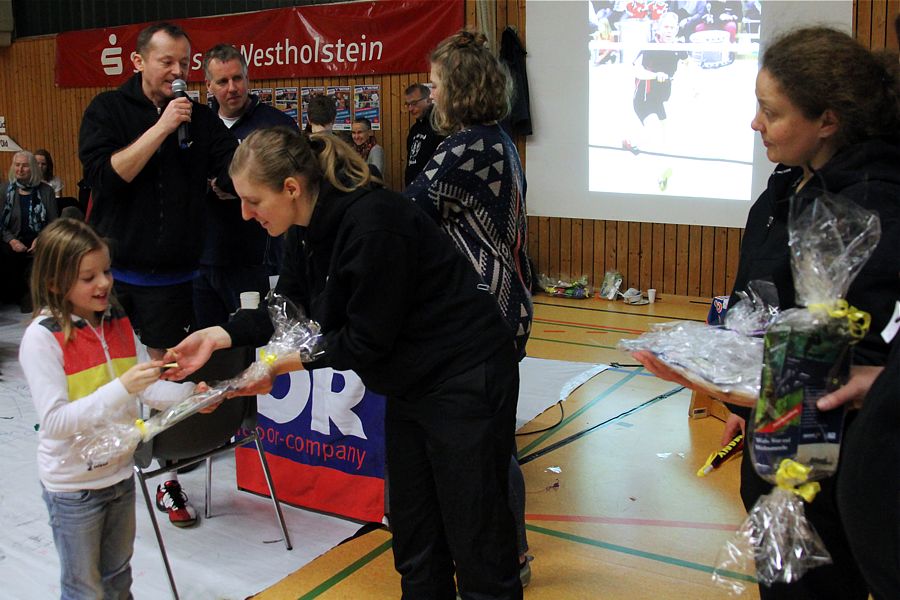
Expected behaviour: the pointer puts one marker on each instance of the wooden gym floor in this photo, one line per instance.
(614, 513)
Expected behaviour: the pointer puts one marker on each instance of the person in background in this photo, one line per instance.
(228, 268)
(149, 196)
(45, 162)
(402, 308)
(829, 115)
(422, 139)
(85, 367)
(320, 114)
(366, 146)
(477, 195)
(29, 205)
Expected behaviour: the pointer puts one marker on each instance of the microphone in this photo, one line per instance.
(179, 87)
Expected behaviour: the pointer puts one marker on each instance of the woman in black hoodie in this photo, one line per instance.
(829, 116)
(402, 308)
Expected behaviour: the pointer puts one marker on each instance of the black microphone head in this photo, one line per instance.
(179, 87)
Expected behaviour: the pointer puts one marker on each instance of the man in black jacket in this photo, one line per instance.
(228, 268)
(148, 197)
(148, 192)
(422, 140)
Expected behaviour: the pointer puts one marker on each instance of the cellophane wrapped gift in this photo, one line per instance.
(806, 354)
(294, 333)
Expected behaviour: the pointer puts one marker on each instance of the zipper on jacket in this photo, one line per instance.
(102, 338)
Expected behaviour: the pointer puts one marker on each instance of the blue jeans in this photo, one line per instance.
(94, 535)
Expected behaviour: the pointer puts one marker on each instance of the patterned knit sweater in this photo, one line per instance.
(474, 188)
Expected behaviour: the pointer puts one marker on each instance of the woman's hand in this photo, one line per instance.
(17, 246)
(854, 391)
(657, 367)
(733, 426)
(141, 376)
(199, 389)
(194, 350)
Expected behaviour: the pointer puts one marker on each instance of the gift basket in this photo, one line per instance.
(578, 288)
(806, 354)
(294, 334)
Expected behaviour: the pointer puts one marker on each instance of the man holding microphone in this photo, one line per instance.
(148, 156)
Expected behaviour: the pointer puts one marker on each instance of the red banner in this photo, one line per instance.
(358, 38)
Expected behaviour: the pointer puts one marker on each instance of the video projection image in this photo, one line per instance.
(671, 97)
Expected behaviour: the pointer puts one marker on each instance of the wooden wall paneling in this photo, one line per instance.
(667, 283)
(879, 22)
(586, 228)
(720, 260)
(578, 266)
(612, 246)
(657, 253)
(634, 255)
(598, 239)
(694, 260)
(565, 249)
(893, 8)
(682, 252)
(544, 250)
(621, 240)
(707, 260)
(553, 267)
(645, 254)
(862, 24)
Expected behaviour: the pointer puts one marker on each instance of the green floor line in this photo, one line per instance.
(669, 560)
(578, 412)
(346, 572)
(573, 343)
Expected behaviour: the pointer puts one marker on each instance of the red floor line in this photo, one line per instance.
(554, 331)
(621, 521)
(589, 325)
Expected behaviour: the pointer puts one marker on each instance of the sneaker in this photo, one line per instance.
(170, 498)
(627, 145)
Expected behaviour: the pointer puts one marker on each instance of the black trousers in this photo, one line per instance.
(841, 580)
(448, 452)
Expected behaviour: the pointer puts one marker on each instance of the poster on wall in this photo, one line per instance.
(266, 96)
(305, 94)
(286, 101)
(341, 95)
(367, 103)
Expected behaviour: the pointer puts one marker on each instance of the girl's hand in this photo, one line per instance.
(141, 376)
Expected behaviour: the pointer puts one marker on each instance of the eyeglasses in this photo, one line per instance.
(412, 103)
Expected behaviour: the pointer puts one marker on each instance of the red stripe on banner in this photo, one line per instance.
(356, 38)
(319, 488)
(622, 521)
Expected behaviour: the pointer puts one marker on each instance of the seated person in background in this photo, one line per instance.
(45, 162)
(365, 144)
(28, 205)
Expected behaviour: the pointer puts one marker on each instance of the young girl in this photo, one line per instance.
(85, 367)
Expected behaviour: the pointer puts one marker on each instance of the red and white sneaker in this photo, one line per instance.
(171, 499)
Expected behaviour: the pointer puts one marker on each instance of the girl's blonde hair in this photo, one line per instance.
(475, 87)
(269, 156)
(59, 249)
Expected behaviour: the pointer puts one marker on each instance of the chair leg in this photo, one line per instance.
(208, 487)
(265, 466)
(162, 547)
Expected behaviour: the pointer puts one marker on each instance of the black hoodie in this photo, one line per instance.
(397, 302)
(867, 173)
(155, 221)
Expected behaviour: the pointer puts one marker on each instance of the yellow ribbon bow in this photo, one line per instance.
(792, 476)
(858, 321)
(141, 427)
(267, 357)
